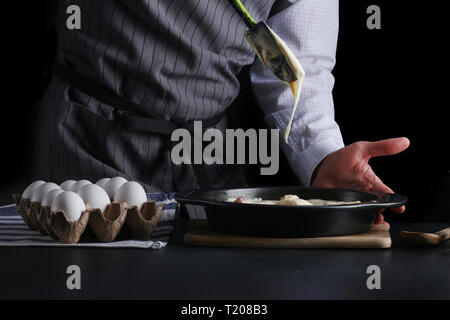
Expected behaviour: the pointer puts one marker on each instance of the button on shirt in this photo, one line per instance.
(310, 29)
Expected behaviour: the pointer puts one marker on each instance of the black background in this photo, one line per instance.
(390, 82)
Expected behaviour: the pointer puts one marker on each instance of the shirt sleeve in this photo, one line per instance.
(310, 29)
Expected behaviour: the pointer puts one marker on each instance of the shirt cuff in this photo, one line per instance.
(308, 143)
(305, 162)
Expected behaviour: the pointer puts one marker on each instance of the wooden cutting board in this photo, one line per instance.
(201, 235)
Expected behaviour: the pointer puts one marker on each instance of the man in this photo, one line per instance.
(137, 68)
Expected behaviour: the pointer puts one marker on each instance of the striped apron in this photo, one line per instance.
(172, 60)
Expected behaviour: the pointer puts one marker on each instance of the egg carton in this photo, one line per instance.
(104, 225)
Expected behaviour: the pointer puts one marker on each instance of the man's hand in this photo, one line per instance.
(349, 168)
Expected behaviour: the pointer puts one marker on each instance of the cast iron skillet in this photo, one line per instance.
(290, 221)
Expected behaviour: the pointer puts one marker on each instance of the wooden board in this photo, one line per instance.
(200, 235)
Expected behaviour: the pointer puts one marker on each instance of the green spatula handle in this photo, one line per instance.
(249, 21)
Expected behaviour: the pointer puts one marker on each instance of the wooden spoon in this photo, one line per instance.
(427, 238)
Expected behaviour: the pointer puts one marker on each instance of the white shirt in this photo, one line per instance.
(310, 29)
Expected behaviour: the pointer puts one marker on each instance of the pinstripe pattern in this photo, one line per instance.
(176, 59)
(310, 29)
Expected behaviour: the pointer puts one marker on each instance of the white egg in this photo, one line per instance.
(30, 189)
(69, 202)
(50, 197)
(132, 193)
(113, 185)
(77, 185)
(66, 185)
(40, 192)
(95, 196)
(102, 182)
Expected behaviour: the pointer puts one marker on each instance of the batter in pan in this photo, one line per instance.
(293, 200)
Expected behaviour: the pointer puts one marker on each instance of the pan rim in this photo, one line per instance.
(384, 200)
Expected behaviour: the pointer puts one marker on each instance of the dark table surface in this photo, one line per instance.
(183, 272)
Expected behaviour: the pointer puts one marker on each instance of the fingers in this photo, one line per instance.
(384, 147)
(399, 209)
(378, 218)
(379, 186)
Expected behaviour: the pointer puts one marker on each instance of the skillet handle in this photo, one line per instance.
(191, 197)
